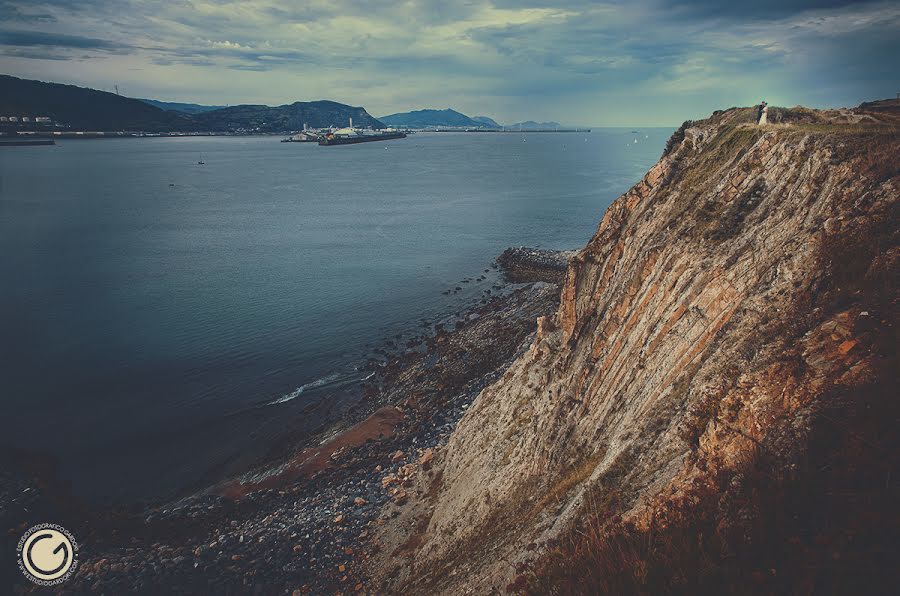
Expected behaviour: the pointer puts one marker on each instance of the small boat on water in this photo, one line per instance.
(201, 162)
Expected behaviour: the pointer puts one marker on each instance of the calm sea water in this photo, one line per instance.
(161, 320)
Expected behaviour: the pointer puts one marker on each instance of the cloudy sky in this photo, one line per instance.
(636, 62)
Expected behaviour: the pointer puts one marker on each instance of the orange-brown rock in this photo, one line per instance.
(714, 308)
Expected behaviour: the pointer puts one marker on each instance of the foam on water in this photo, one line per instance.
(331, 380)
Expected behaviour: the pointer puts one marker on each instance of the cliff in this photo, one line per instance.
(712, 406)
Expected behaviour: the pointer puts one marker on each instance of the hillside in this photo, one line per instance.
(317, 114)
(532, 125)
(88, 109)
(187, 108)
(489, 122)
(712, 409)
(85, 109)
(433, 118)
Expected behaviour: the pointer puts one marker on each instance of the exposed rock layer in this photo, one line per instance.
(707, 318)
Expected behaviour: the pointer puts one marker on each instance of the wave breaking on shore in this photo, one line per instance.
(335, 379)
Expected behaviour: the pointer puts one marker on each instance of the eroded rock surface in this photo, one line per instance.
(711, 316)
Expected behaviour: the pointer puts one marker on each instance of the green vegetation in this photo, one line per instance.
(187, 108)
(85, 109)
(317, 114)
(428, 118)
(88, 109)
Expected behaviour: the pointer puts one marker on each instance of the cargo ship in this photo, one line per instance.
(350, 136)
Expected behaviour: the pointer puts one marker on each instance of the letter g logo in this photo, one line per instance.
(47, 554)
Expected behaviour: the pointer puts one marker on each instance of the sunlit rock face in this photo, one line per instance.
(701, 320)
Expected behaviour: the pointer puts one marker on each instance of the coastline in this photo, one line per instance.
(308, 506)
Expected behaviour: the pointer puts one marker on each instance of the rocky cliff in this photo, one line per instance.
(730, 327)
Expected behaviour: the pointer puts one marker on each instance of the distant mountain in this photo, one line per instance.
(452, 118)
(88, 109)
(317, 114)
(432, 118)
(532, 125)
(490, 122)
(187, 108)
(85, 109)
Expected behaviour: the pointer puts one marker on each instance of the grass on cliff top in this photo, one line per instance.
(728, 147)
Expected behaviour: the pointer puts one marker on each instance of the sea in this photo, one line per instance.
(165, 322)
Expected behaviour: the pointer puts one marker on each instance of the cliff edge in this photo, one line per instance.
(713, 403)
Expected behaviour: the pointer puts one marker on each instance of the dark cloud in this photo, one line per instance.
(757, 9)
(18, 38)
(713, 9)
(33, 54)
(11, 12)
(559, 54)
(89, 6)
(250, 58)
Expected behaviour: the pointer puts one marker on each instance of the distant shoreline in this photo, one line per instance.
(77, 135)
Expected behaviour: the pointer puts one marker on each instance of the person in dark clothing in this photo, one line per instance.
(759, 111)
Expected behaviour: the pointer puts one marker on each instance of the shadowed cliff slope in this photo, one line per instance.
(731, 306)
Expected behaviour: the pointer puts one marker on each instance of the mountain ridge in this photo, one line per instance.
(433, 118)
(532, 125)
(82, 108)
(488, 121)
(85, 108)
(175, 106)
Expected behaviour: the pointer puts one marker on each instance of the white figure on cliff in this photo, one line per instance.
(763, 113)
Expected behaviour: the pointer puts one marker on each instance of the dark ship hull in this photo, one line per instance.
(328, 141)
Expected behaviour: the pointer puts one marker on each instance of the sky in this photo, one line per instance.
(638, 62)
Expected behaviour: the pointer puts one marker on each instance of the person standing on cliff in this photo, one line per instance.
(762, 114)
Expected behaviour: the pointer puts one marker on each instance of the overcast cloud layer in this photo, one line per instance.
(640, 62)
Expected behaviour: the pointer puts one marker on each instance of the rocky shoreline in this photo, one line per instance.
(522, 264)
(302, 523)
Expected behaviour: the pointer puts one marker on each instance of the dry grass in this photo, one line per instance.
(875, 154)
(728, 223)
(825, 525)
(574, 476)
(676, 138)
(728, 147)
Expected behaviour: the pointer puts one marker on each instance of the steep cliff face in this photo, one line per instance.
(725, 300)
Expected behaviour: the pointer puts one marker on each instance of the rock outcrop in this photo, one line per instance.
(743, 286)
(523, 264)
